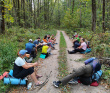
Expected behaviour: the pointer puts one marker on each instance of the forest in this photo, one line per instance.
(24, 19)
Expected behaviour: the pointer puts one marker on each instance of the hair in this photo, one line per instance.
(83, 39)
(45, 36)
(79, 36)
(38, 38)
(74, 31)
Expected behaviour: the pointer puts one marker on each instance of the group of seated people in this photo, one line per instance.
(46, 45)
(79, 44)
(22, 68)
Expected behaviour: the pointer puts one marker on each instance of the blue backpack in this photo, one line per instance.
(88, 50)
(14, 81)
(96, 76)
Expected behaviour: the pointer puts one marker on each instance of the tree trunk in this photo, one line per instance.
(38, 13)
(58, 14)
(73, 6)
(93, 15)
(103, 16)
(24, 12)
(18, 12)
(80, 16)
(2, 20)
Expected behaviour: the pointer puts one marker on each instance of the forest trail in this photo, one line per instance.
(49, 64)
(79, 88)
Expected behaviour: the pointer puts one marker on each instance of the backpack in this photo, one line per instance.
(14, 81)
(96, 76)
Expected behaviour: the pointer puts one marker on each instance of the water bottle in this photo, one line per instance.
(29, 85)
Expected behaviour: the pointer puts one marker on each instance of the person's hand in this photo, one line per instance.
(36, 64)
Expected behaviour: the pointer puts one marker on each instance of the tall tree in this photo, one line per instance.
(103, 16)
(2, 20)
(93, 15)
(73, 6)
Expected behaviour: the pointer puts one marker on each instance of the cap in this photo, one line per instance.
(22, 52)
(30, 40)
(44, 43)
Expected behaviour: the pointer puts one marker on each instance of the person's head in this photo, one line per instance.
(44, 43)
(74, 31)
(48, 35)
(52, 34)
(22, 53)
(45, 37)
(38, 38)
(80, 37)
(30, 40)
(82, 40)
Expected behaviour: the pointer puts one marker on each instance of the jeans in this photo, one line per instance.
(50, 44)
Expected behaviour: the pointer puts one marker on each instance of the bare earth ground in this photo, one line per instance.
(79, 88)
(49, 64)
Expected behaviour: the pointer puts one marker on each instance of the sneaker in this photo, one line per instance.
(73, 82)
(55, 84)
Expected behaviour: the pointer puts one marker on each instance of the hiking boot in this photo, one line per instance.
(56, 84)
(73, 82)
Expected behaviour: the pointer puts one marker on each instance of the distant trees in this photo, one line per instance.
(46, 13)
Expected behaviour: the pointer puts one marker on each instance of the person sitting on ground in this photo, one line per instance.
(84, 73)
(31, 48)
(48, 43)
(77, 42)
(81, 48)
(46, 49)
(53, 38)
(37, 43)
(23, 69)
(76, 39)
(48, 36)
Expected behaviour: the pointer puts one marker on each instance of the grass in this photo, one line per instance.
(11, 42)
(63, 63)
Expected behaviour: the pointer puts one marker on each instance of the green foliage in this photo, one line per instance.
(70, 21)
(106, 73)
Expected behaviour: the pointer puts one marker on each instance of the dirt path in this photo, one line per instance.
(79, 88)
(49, 64)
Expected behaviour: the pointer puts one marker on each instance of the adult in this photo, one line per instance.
(81, 48)
(46, 49)
(37, 43)
(23, 69)
(84, 73)
(77, 42)
(48, 43)
(31, 48)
